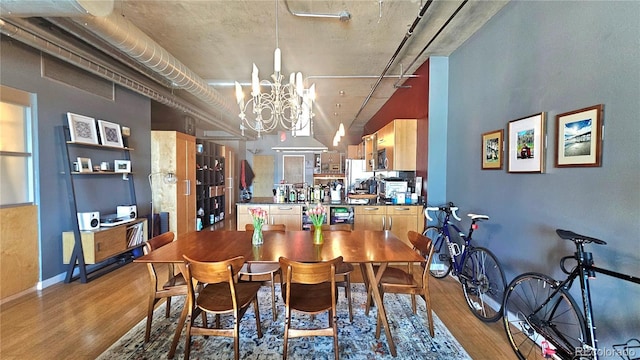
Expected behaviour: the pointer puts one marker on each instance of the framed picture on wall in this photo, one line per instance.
(579, 137)
(526, 144)
(492, 150)
(82, 128)
(110, 134)
(122, 166)
(84, 165)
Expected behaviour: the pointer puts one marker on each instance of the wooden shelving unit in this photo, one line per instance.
(75, 253)
(210, 182)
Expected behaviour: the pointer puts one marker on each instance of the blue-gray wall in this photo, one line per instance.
(554, 57)
(20, 68)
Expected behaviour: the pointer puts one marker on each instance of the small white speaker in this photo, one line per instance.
(89, 220)
(127, 211)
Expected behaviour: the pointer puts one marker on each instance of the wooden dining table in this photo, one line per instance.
(364, 247)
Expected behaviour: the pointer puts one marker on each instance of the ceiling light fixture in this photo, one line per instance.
(289, 105)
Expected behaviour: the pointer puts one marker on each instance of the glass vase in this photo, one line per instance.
(317, 235)
(258, 236)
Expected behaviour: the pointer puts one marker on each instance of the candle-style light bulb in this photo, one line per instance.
(341, 130)
(239, 95)
(255, 82)
(299, 84)
(276, 60)
(312, 92)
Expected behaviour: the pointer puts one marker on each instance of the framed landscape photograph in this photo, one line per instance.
(526, 144)
(110, 134)
(82, 128)
(579, 137)
(492, 150)
(84, 165)
(122, 166)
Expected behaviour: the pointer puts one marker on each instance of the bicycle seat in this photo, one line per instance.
(478, 217)
(570, 235)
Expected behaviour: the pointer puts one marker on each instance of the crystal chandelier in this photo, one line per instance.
(288, 105)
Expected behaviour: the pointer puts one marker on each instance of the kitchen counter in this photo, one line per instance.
(269, 201)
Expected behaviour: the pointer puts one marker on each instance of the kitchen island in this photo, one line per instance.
(397, 218)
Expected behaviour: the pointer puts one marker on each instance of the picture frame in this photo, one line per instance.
(527, 144)
(122, 166)
(492, 150)
(110, 134)
(84, 165)
(82, 128)
(579, 137)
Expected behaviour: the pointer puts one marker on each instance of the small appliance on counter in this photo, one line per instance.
(393, 186)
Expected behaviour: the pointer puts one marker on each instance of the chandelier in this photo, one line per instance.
(289, 105)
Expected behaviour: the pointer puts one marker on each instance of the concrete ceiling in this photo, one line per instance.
(220, 40)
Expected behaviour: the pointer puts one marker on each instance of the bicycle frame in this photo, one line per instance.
(456, 260)
(584, 270)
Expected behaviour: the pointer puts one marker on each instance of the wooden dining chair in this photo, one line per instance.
(343, 273)
(396, 280)
(221, 293)
(261, 272)
(175, 285)
(310, 288)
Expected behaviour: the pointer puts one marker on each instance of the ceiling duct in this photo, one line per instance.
(126, 37)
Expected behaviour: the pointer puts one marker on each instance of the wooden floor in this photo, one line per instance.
(80, 321)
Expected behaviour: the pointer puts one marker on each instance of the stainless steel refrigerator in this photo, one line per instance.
(355, 173)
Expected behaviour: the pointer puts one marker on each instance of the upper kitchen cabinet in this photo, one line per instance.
(331, 163)
(396, 145)
(370, 152)
(355, 152)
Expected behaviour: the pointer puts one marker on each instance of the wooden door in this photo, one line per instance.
(401, 219)
(369, 218)
(264, 170)
(186, 194)
(293, 168)
(230, 183)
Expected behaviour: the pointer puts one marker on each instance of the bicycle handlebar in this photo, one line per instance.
(448, 209)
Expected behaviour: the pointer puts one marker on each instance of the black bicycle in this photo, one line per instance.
(541, 318)
(483, 281)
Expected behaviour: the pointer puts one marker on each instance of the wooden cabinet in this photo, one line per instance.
(174, 152)
(398, 219)
(290, 215)
(398, 139)
(370, 152)
(105, 242)
(370, 217)
(355, 152)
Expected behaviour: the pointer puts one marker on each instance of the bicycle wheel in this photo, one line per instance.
(441, 261)
(483, 284)
(556, 327)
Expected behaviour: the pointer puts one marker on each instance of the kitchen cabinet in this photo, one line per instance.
(370, 152)
(355, 152)
(175, 152)
(331, 162)
(398, 141)
(288, 214)
(398, 219)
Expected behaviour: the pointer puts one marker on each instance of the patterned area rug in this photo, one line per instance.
(356, 340)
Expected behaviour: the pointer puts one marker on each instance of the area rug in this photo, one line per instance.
(356, 340)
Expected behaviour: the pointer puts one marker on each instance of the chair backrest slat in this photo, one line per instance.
(309, 273)
(214, 272)
(158, 241)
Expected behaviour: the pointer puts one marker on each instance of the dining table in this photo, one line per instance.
(363, 247)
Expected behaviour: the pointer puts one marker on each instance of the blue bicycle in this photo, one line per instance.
(479, 272)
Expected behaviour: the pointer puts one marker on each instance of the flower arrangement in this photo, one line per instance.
(259, 217)
(317, 214)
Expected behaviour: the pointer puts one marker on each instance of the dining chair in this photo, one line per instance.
(175, 285)
(221, 293)
(343, 273)
(310, 288)
(256, 271)
(396, 280)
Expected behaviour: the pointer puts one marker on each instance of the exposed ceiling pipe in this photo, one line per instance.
(123, 35)
(344, 15)
(76, 58)
(62, 8)
(423, 10)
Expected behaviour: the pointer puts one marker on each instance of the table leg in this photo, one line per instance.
(373, 282)
(183, 318)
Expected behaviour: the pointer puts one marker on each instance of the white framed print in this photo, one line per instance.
(82, 129)
(122, 166)
(84, 165)
(527, 144)
(110, 134)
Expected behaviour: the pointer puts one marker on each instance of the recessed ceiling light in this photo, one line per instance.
(341, 92)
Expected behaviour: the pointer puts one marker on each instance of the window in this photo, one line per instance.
(16, 158)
